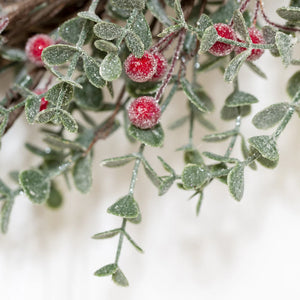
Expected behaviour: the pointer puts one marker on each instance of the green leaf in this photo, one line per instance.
(199, 203)
(256, 69)
(293, 85)
(45, 115)
(133, 243)
(67, 120)
(4, 189)
(55, 199)
(235, 64)
(89, 16)
(246, 153)
(235, 181)
(125, 207)
(169, 30)
(217, 137)
(230, 113)
(62, 90)
(210, 36)
(82, 174)
(240, 99)
(225, 12)
(3, 125)
(60, 76)
(134, 44)
(141, 28)
(136, 220)
(292, 14)
(158, 12)
(166, 183)
(58, 54)
(267, 163)
(166, 166)
(137, 89)
(220, 158)
(35, 185)
(5, 214)
(118, 161)
(240, 25)
(266, 146)
(192, 156)
(178, 11)
(106, 234)
(108, 31)
(106, 46)
(203, 23)
(129, 4)
(193, 176)
(13, 54)
(71, 30)
(107, 270)
(192, 95)
(111, 67)
(92, 72)
(119, 278)
(32, 108)
(60, 144)
(270, 116)
(284, 45)
(152, 175)
(269, 34)
(153, 137)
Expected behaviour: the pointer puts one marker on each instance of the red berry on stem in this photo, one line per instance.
(35, 46)
(256, 38)
(219, 48)
(144, 112)
(161, 68)
(44, 102)
(140, 69)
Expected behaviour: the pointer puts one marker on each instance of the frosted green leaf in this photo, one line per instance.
(256, 69)
(59, 144)
(192, 156)
(205, 123)
(152, 175)
(235, 64)
(13, 54)
(268, 163)
(3, 125)
(153, 137)
(203, 23)
(178, 11)
(166, 183)
(225, 12)
(246, 153)
(55, 199)
(295, 3)
(235, 181)
(82, 174)
(270, 116)
(284, 45)
(290, 13)
(108, 31)
(137, 89)
(71, 30)
(209, 38)
(129, 4)
(141, 28)
(5, 214)
(106, 234)
(118, 161)
(126, 207)
(158, 12)
(106, 46)
(62, 91)
(266, 146)
(136, 220)
(166, 166)
(32, 108)
(193, 176)
(107, 270)
(133, 243)
(216, 169)
(111, 67)
(35, 185)
(204, 97)
(45, 115)
(119, 278)
(134, 44)
(89, 16)
(269, 34)
(217, 137)
(67, 120)
(192, 95)
(240, 25)
(293, 85)
(58, 54)
(91, 68)
(169, 30)
(240, 99)
(220, 158)
(4, 189)
(230, 113)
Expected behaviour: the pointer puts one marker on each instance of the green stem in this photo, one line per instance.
(191, 129)
(121, 238)
(93, 6)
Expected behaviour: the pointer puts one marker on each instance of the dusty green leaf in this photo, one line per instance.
(152, 175)
(106, 46)
(108, 31)
(67, 120)
(59, 144)
(133, 243)
(45, 115)
(153, 137)
(246, 153)
(55, 198)
(63, 91)
(178, 11)
(169, 30)
(129, 4)
(5, 214)
(111, 67)
(235, 181)
(293, 85)
(256, 69)
(58, 54)
(284, 43)
(210, 36)
(225, 12)
(137, 89)
(270, 116)
(240, 99)
(266, 146)
(193, 156)
(220, 158)
(292, 14)
(125, 207)
(270, 164)
(269, 34)
(118, 161)
(106, 234)
(166, 183)
(4, 189)
(35, 185)
(107, 270)
(240, 25)
(13, 54)
(32, 108)
(194, 176)
(218, 137)
(91, 68)
(203, 23)
(158, 11)
(119, 278)
(134, 44)
(82, 174)
(141, 28)
(230, 113)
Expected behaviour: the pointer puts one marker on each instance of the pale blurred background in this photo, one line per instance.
(247, 250)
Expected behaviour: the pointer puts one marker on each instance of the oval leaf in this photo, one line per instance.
(118, 161)
(290, 13)
(91, 69)
(126, 207)
(129, 4)
(106, 234)
(194, 176)
(134, 44)
(266, 146)
(293, 85)
(82, 174)
(32, 108)
(62, 91)
(46, 115)
(105, 46)
(119, 278)
(108, 31)
(68, 121)
(235, 181)
(58, 54)
(153, 137)
(284, 43)
(141, 28)
(209, 37)
(240, 99)
(111, 67)
(107, 270)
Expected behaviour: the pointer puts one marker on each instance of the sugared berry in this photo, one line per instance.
(44, 102)
(35, 46)
(219, 48)
(144, 112)
(161, 67)
(256, 38)
(140, 69)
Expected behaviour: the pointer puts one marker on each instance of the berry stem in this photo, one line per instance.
(244, 45)
(93, 6)
(169, 97)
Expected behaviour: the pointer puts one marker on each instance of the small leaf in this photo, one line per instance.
(225, 12)
(231, 113)
(125, 207)
(106, 234)
(108, 31)
(270, 116)
(192, 156)
(269, 34)
(267, 163)
(153, 137)
(58, 54)
(3, 125)
(246, 153)
(209, 38)
(284, 45)
(118, 161)
(46, 115)
(152, 175)
(91, 69)
(107, 270)
(62, 91)
(4, 189)
(106, 46)
(203, 23)
(166, 183)
(32, 108)
(193, 176)
(290, 13)
(67, 120)
(119, 278)
(240, 99)
(266, 146)
(141, 28)
(133, 243)
(256, 69)
(235, 64)
(293, 85)
(166, 166)
(192, 95)
(134, 44)
(82, 174)
(5, 214)
(179, 12)
(240, 25)
(220, 158)
(35, 185)
(235, 181)
(158, 12)
(13, 54)
(217, 137)
(55, 199)
(111, 67)
(60, 144)
(199, 203)
(129, 4)
(169, 30)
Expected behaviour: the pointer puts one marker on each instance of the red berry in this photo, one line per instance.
(140, 69)
(35, 46)
(144, 112)
(44, 104)
(256, 38)
(219, 48)
(162, 65)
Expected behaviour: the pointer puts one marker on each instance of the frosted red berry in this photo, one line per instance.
(35, 46)
(144, 112)
(44, 102)
(161, 67)
(219, 48)
(256, 38)
(140, 69)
